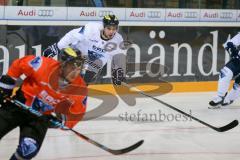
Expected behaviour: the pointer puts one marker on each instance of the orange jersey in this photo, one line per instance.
(42, 77)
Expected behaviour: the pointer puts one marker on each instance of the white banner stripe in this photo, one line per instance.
(153, 15)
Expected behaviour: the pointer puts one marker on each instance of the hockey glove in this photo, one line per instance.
(39, 105)
(6, 87)
(51, 51)
(232, 50)
(117, 76)
(56, 120)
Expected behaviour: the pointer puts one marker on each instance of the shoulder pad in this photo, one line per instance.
(117, 38)
(36, 63)
(92, 28)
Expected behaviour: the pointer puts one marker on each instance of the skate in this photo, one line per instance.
(227, 102)
(216, 102)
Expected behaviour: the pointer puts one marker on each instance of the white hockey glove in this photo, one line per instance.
(51, 51)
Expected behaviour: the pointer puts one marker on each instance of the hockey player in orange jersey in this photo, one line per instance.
(50, 86)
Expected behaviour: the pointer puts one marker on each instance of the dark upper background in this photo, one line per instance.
(12, 36)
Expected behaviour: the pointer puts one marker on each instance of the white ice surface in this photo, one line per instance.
(177, 139)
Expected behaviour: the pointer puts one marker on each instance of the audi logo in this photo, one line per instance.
(226, 15)
(190, 14)
(154, 14)
(45, 13)
(104, 13)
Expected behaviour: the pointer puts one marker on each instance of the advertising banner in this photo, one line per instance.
(218, 15)
(35, 13)
(156, 53)
(182, 15)
(21, 13)
(91, 13)
(145, 14)
(1, 12)
(238, 15)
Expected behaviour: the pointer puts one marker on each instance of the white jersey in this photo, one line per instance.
(235, 40)
(95, 50)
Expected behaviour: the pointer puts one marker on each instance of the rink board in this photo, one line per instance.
(158, 87)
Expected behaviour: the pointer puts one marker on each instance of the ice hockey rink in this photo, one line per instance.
(175, 138)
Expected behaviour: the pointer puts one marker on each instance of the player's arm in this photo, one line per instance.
(76, 111)
(8, 81)
(74, 36)
(74, 107)
(26, 65)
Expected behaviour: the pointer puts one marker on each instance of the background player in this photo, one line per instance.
(98, 43)
(230, 70)
(50, 86)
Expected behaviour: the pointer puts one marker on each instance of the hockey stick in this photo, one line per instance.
(112, 151)
(219, 129)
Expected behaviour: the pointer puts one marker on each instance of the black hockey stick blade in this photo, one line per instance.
(112, 151)
(128, 149)
(220, 129)
(227, 127)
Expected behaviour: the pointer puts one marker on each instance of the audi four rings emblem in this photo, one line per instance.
(104, 13)
(226, 15)
(190, 14)
(45, 13)
(154, 14)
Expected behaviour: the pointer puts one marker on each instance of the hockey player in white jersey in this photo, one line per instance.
(98, 43)
(230, 70)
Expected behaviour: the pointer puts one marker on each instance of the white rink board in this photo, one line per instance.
(35, 13)
(1, 12)
(165, 140)
(145, 14)
(126, 15)
(183, 15)
(218, 15)
(91, 13)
